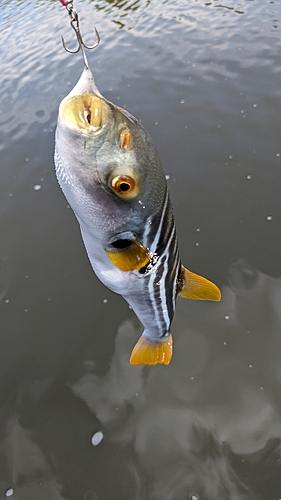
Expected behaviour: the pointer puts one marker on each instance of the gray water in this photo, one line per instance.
(204, 78)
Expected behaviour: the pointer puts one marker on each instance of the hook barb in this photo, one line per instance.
(74, 22)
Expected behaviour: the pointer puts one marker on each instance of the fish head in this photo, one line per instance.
(107, 164)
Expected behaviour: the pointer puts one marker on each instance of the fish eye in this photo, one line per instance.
(124, 186)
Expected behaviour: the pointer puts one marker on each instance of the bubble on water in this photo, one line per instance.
(10, 194)
(26, 159)
(7, 301)
(198, 229)
(278, 154)
(97, 438)
(182, 101)
(249, 177)
(261, 388)
(219, 126)
(26, 310)
(197, 244)
(226, 317)
(105, 301)
(255, 105)
(269, 217)
(156, 123)
(231, 157)
(191, 378)
(37, 187)
(9, 492)
(242, 111)
(250, 366)
(224, 343)
(167, 177)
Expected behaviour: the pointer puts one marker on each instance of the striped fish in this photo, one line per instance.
(111, 175)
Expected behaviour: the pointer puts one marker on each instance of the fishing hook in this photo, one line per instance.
(74, 23)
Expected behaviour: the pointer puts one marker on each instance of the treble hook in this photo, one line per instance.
(74, 22)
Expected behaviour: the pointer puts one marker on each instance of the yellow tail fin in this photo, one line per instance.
(151, 352)
(193, 286)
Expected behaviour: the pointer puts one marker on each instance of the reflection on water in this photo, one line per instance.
(206, 427)
(124, 13)
(201, 425)
(204, 78)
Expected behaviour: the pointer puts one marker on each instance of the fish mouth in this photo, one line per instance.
(85, 112)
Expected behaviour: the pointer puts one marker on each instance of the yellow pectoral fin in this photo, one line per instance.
(193, 286)
(151, 352)
(132, 257)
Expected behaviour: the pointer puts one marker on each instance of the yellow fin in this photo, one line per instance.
(132, 257)
(193, 286)
(151, 352)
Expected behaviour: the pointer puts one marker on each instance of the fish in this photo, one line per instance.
(111, 175)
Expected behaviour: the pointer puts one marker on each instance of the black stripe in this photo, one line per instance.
(167, 228)
(172, 275)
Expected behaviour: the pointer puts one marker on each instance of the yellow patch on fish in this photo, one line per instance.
(128, 255)
(193, 286)
(121, 110)
(86, 111)
(151, 352)
(125, 139)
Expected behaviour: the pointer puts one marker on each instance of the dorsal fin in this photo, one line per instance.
(193, 286)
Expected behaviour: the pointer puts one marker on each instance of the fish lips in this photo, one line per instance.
(84, 109)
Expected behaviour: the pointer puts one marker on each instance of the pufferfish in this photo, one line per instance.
(111, 175)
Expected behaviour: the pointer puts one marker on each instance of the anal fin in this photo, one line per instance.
(152, 352)
(193, 286)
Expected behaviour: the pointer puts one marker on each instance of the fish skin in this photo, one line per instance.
(84, 161)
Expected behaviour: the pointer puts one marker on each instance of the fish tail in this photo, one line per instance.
(149, 351)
